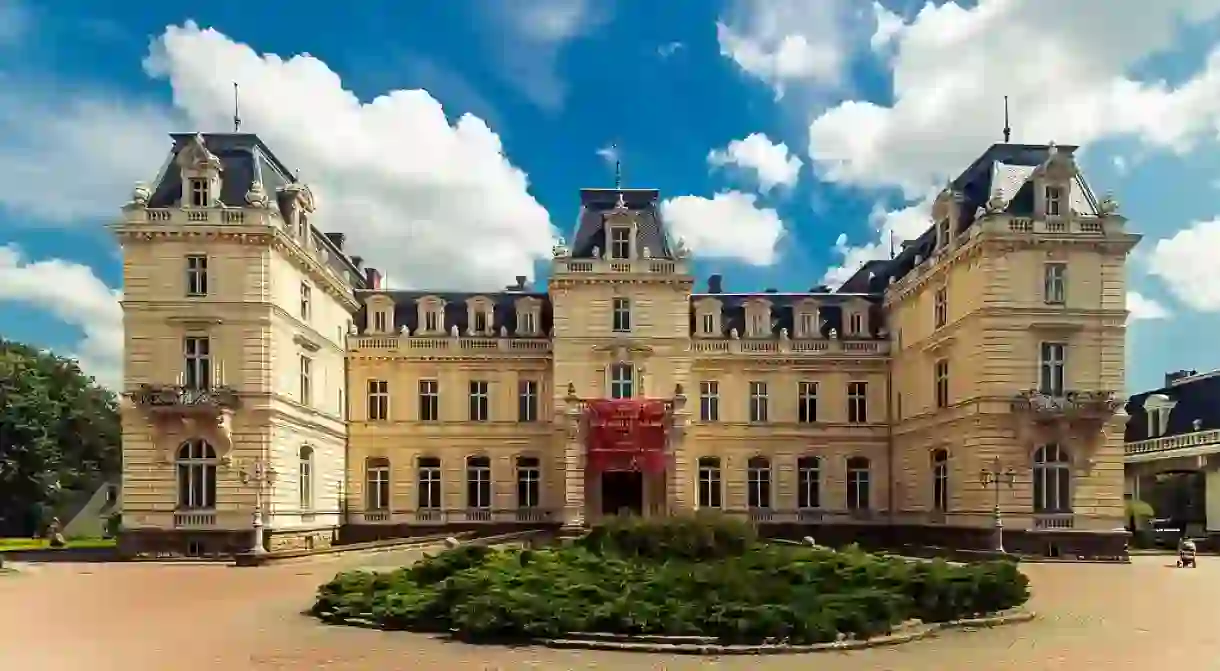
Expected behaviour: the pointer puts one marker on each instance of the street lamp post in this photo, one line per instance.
(257, 474)
(993, 477)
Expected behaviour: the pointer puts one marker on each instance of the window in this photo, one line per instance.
(481, 322)
(758, 483)
(1054, 201)
(429, 484)
(621, 315)
(1052, 480)
(529, 324)
(305, 478)
(1158, 421)
(429, 401)
(196, 275)
(198, 354)
(941, 306)
(809, 325)
(379, 400)
(200, 196)
(807, 402)
(479, 401)
(527, 401)
(758, 401)
(306, 301)
(1054, 277)
(942, 383)
(710, 489)
(377, 483)
(709, 323)
(709, 401)
(478, 482)
(855, 324)
(858, 484)
(529, 482)
(808, 483)
(306, 382)
(1052, 358)
(622, 379)
(943, 231)
(432, 321)
(940, 481)
(760, 324)
(857, 402)
(620, 243)
(196, 465)
(381, 321)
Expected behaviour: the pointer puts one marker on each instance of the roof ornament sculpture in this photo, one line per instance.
(681, 251)
(1108, 205)
(621, 204)
(140, 195)
(996, 203)
(256, 196)
(560, 249)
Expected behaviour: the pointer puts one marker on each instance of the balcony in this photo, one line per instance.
(1054, 521)
(175, 411)
(621, 266)
(1094, 406)
(787, 346)
(175, 398)
(1184, 445)
(434, 516)
(194, 519)
(450, 346)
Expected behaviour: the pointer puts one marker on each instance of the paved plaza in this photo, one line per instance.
(137, 617)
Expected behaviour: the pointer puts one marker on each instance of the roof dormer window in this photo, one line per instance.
(200, 195)
(620, 242)
(1054, 200)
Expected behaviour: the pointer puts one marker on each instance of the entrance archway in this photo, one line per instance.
(626, 460)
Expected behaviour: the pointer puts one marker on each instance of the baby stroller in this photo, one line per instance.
(1186, 554)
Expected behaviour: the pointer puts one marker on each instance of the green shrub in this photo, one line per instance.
(707, 578)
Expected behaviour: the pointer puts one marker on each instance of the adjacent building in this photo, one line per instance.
(268, 370)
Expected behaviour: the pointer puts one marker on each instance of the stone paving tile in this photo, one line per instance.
(156, 617)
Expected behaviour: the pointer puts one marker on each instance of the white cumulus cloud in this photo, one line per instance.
(1142, 308)
(891, 228)
(729, 225)
(1186, 263)
(770, 162)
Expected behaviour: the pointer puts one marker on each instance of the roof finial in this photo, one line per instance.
(236, 110)
(893, 244)
(1007, 130)
(618, 167)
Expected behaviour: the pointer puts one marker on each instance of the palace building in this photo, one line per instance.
(272, 381)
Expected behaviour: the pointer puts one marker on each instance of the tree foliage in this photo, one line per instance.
(59, 431)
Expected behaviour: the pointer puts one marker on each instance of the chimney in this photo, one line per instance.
(357, 261)
(715, 284)
(519, 286)
(771, 290)
(337, 239)
(372, 277)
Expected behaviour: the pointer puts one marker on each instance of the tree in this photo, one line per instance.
(59, 431)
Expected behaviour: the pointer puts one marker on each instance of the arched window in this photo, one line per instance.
(196, 464)
(478, 482)
(710, 488)
(377, 483)
(622, 380)
(758, 483)
(428, 483)
(529, 482)
(858, 484)
(1052, 480)
(808, 483)
(305, 477)
(940, 480)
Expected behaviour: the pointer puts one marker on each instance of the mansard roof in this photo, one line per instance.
(783, 310)
(1196, 397)
(504, 310)
(642, 204)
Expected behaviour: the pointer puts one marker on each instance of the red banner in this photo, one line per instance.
(626, 435)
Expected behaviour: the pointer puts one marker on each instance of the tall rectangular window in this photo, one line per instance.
(620, 243)
(855, 324)
(809, 325)
(1054, 277)
(758, 483)
(529, 482)
(758, 401)
(306, 380)
(381, 322)
(709, 482)
(478, 482)
(1054, 201)
(200, 194)
(306, 301)
(808, 483)
(432, 321)
(857, 402)
(379, 400)
(942, 383)
(428, 481)
(622, 380)
(709, 401)
(941, 306)
(621, 315)
(807, 402)
(480, 400)
(709, 323)
(1051, 366)
(197, 351)
(429, 401)
(527, 401)
(528, 324)
(196, 275)
(377, 484)
(481, 322)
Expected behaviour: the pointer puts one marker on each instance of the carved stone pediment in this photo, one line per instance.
(195, 156)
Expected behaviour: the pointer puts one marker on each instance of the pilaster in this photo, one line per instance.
(574, 467)
(679, 474)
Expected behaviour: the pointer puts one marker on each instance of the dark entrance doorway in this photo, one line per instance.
(622, 493)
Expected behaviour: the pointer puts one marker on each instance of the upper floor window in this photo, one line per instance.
(529, 482)
(379, 400)
(707, 323)
(200, 193)
(620, 243)
(429, 401)
(197, 352)
(859, 484)
(709, 401)
(481, 322)
(527, 401)
(306, 380)
(941, 306)
(1054, 201)
(808, 325)
(306, 301)
(943, 232)
(940, 480)
(758, 483)
(377, 483)
(528, 323)
(758, 401)
(857, 402)
(710, 487)
(1054, 276)
(1052, 361)
(380, 321)
(429, 484)
(808, 483)
(480, 400)
(807, 402)
(942, 383)
(478, 482)
(622, 380)
(855, 323)
(760, 324)
(432, 320)
(305, 478)
(196, 275)
(621, 315)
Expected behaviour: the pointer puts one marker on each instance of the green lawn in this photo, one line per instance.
(42, 544)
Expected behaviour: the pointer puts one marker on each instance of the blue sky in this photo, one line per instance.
(788, 137)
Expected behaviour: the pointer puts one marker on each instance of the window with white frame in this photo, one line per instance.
(709, 401)
(807, 402)
(377, 483)
(759, 325)
(432, 321)
(621, 315)
(428, 484)
(482, 320)
(1052, 480)
(305, 478)
(197, 352)
(379, 400)
(200, 192)
(306, 301)
(480, 400)
(940, 481)
(429, 400)
(857, 402)
(855, 324)
(942, 383)
(710, 487)
(529, 482)
(196, 464)
(622, 380)
(708, 322)
(1052, 361)
(758, 483)
(306, 381)
(527, 323)
(196, 275)
(478, 483)
(527, 400)
(381, 321)
(758, 402)
(808, 325)
(858, 483)
(940, 306)
(1054, 200)
(808, 483)
(1054, 277)
(620, 243)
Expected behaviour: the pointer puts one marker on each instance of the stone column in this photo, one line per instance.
(680, 461)
(573, 464)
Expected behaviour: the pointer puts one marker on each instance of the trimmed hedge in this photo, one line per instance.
(675, 577)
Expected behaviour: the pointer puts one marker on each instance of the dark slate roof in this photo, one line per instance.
(590, 227)
(783, 314)
(1197, 398)
(503, 314)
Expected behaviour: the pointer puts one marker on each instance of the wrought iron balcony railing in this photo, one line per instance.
(170, 396)
(1071, 404)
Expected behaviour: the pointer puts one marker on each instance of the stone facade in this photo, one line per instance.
(992, 343)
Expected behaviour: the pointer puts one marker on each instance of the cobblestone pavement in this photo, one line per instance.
(157, 617)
